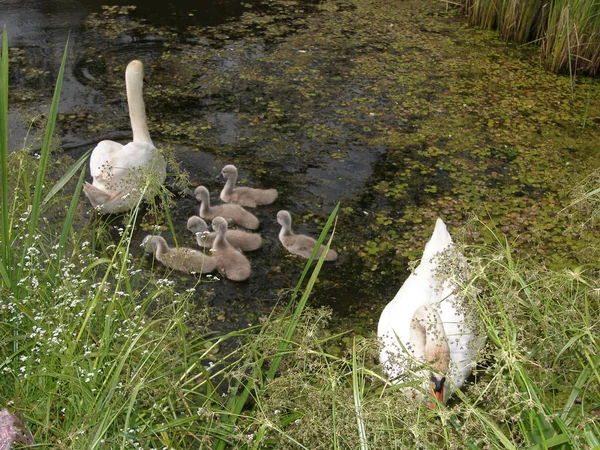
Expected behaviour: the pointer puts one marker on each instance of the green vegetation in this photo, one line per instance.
(568, 30)
(95, 355)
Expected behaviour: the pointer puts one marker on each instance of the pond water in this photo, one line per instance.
(400, 113)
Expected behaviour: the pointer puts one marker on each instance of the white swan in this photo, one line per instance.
(120, 172)
(244, 196)
(241, 239)
(182, 259)
(231, 213)
(299, 244)
(426, 315)
(230, 262)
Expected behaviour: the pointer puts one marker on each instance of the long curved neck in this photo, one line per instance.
(134, 81)
(204, 205)
(230, 183)
(160, 247)
(428, 337)
(286, 228)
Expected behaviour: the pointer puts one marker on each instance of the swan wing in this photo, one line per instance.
(101, 158)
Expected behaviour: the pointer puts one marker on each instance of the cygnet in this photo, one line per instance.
(183, 259)
(231, 213)
(230, 262)
(244, 196)
(299, 244)
(243, 240)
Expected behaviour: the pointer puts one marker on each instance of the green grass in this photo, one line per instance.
(96, 353)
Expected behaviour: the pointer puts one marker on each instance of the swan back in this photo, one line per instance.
(244, 196)
(231, 213)
(230, 262)
(299, 244)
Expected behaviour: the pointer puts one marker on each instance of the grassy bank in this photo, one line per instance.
(97, 353)
(567, 30)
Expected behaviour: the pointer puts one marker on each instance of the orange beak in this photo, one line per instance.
(439, 396)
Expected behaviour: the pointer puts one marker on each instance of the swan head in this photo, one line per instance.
(219, 224)
(152, 242)
(201, 194)
(437, 386)
(229, 171)
(197, 225)
(136, 67)
(284, 218)
(438, 356)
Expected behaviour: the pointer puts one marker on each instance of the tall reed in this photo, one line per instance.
(572, 40)
(521, 20)
(567, 30)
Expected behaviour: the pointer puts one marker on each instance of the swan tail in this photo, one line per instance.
(440, 241)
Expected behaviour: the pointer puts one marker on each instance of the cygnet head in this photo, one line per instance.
(152, 242)
(284, 218)
(201, 194)
(229, 171)
(219, 224)
(197, 225)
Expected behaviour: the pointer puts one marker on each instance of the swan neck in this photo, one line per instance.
(160, 247)
(286, 229)
(429, 338)
(134, 81)
(220, 240)
(204, 205)
(230, 183)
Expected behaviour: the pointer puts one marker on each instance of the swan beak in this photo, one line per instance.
(437, 389)
(439, 396)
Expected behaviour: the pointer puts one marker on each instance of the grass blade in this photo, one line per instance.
(65, 178)
(70, 214)
(45, 152)
(4, 224)
(357, 396)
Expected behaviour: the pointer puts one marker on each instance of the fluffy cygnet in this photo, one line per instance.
(183, 259)
(244, 196)
(299, 244)
(230, 262)
(231, 213)
(241, 239)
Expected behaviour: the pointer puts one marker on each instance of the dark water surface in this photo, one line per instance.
(397, 110)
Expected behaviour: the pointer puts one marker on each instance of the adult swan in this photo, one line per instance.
(424, 329)
(121, 172)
